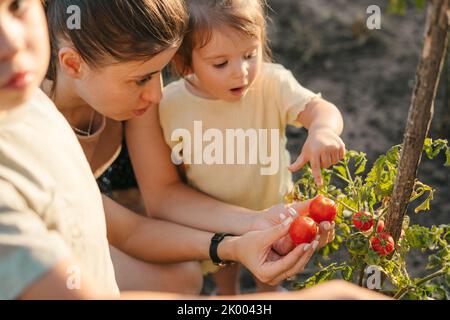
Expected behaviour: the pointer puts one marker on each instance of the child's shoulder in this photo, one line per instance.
(174, 85)
(41, 104)
(273, 69)
(37, 106)
(41, 100)
(274, 73)
(173, 92)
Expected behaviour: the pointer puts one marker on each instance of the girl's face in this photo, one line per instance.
(227, 66)
(24, 50)
(125, 90)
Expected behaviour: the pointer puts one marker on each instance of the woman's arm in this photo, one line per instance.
(165, 195)
(153, 240)
(53, 285)
(158, 241)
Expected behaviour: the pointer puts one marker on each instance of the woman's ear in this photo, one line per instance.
(70, 62)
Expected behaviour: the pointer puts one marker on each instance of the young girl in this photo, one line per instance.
(230, 94)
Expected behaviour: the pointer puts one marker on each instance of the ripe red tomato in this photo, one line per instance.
(380, 226)
(383, 244)
(303, 230)
(363, 221)
(322, 209)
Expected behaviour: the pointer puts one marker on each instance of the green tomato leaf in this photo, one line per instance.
(372, 258)
(361, 167)
(393, 155)
(434, 261)
(426, 204)
(420, 4)
(347, 273)
(447, 155)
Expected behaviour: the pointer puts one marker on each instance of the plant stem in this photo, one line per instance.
(342, 178)
(431, 277)
(400, 294)
(361, 275)
(337, 200)
(352, 185)
(349, 174)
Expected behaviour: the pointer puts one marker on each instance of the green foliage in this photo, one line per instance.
(370, 189)
(400, 6)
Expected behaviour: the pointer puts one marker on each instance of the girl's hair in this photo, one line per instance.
(246, 16)
(124, 30)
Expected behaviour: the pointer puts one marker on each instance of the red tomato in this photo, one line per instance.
(322, 209)
(303, 230)
(383, 244)
(363, 221)
(380, 226)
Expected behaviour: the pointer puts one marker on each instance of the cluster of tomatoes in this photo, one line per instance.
(304, 229)
(381, 242)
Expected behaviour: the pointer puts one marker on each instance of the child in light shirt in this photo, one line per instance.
(225, 119)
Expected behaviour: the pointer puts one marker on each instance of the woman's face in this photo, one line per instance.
(126, 90)
(24, 50)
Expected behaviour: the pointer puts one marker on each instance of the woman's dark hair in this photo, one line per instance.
(124, 30)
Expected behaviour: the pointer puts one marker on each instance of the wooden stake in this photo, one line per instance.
(420, 112)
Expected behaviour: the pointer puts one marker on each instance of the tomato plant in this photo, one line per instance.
(356, 189)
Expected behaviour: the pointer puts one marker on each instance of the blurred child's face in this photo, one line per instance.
(227, 66)
(125, 90)
(24, 50)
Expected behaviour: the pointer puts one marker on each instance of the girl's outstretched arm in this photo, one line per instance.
(320, 113)
(324, 147)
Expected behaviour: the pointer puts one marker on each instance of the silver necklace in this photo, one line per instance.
(89, 131)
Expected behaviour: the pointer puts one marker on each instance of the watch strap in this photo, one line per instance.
(215, 240)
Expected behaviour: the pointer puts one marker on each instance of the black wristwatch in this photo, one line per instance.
(215, 240)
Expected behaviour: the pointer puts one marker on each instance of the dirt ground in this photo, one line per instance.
(368, 74)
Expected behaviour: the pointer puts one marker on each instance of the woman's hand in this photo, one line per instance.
(278, 213)
(254, 251)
